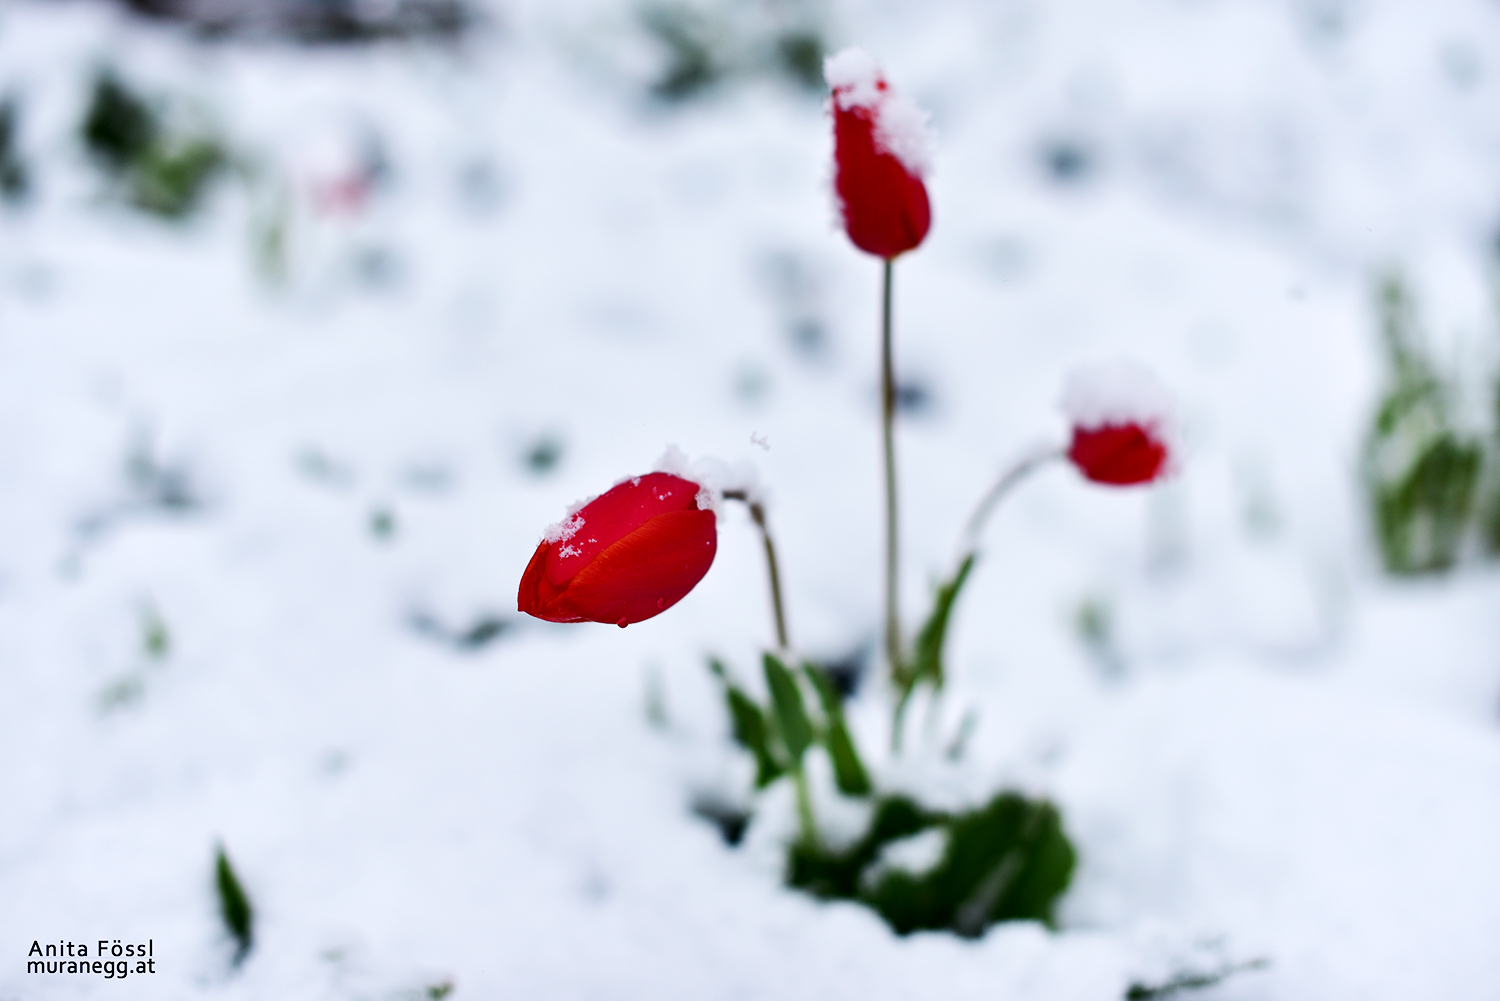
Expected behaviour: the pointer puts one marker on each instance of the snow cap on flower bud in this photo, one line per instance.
(1123, 429)
(880, 155)
(624, 556)
(714, 477)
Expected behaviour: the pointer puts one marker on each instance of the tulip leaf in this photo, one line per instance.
(751, 729)
(837, 874)
(790, 713)
(1008, 860)
(848, 770)
(234, 906)
(927, 662)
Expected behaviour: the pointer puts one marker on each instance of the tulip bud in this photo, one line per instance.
(628, 554)
(1122, 424)
(880, 155)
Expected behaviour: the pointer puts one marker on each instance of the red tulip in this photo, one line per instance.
(1121, 425)
(628, 554)
(1118, 454)
(879, 156)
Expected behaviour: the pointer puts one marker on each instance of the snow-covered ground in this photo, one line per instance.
(1272, 752)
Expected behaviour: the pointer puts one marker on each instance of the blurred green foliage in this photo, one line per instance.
(543, 455)
(1007, 859)
(704, 45)
(118, 128)
(1190, 981)
(161, 167)
(15, 182)
(1421, 470)
(234, 906)
(778, 735)
(925, 665)
(156, 638)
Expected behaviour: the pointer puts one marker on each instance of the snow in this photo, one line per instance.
(1262, 748)
(901, 128)
(1117, 393)
(855, 78)
(562, 531)
(714, 477)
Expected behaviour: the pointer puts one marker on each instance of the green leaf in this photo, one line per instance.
(830, 874)
(1008, 860)
(752, 733)
(848, 770)
(120, 126)
(791, 715)
(1422, 516)
(751, 729)
(1189, 980)
(927, 660)
(1422, 471)
(234, 906)
(171, 179)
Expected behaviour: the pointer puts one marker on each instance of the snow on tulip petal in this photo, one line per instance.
(614, 514)
(626, 555)
(880, 154)
(1123, 428)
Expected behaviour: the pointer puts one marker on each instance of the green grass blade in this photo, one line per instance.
(791, 714)
(848, 769)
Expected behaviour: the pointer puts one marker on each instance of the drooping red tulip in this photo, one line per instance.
(1121, 425)
(880, 155)
(628, 554)
(1118, 454)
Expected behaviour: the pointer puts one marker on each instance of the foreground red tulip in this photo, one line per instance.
(628, 554)
(880, 156)
(1121, 425)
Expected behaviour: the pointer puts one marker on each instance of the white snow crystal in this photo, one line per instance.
(901, 128)
(562, 531)
(1116, 392)
(713, 476)
(674, 461)
(854, 76)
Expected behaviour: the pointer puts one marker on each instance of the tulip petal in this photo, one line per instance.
(613, 515)
(885, 206)
(1118, 454)
(647, 571)
(538, 596)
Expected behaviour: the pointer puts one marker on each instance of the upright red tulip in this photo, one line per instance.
(1121, 425)
(628, 554)
(880, 155)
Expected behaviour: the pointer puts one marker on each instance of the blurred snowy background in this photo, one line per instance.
(314, 315)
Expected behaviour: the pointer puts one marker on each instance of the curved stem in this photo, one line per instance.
(758, 515)
(888, 424)
(1038, 457)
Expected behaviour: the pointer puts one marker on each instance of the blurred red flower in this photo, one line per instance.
(1119, 454)
(879, 158)
(1123, 424)
(628, 554)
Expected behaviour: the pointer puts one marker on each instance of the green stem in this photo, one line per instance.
(927, 658)
(804, 807)
(758, 515)
(888, 423)
(1003, 486)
